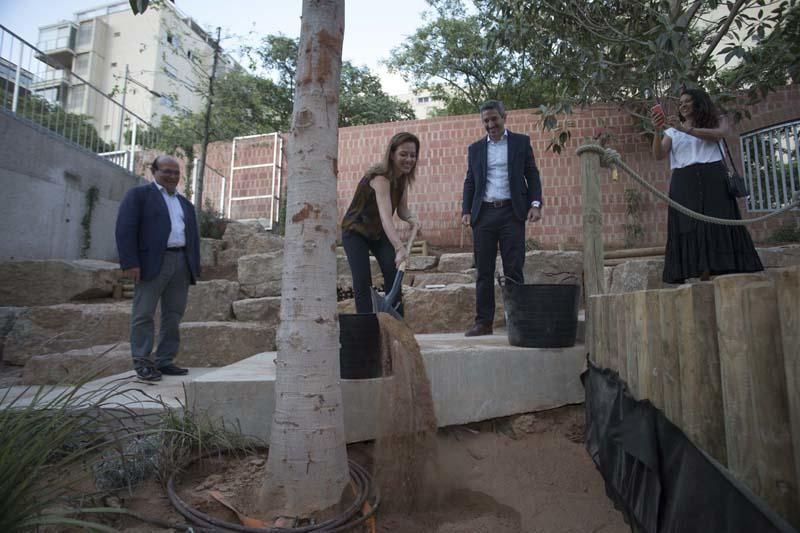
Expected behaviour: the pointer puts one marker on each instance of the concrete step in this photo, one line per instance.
(472, 379)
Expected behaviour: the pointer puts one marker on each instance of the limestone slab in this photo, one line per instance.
(265, 309)
(55, 281)
(260, 274)
(64, 327)
(217, 344)
(75, 366)
(471, 380)
(457, 262)
(211, 300)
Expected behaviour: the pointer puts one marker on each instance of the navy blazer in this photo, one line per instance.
(143, 227)
(523, 177)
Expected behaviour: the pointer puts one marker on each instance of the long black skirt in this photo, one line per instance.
(695, 247)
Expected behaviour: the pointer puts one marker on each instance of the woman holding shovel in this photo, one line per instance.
(367, 225)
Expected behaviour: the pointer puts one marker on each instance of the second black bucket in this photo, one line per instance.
(541, 315)
(359, 346)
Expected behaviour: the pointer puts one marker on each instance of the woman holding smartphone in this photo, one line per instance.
(698, 249)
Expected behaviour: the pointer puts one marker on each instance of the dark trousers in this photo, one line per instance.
(496, 225)
(357, 247)
(171, 288)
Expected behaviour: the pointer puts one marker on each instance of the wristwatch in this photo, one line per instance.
(536, 203)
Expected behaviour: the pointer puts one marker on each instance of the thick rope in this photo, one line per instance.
(612, 157)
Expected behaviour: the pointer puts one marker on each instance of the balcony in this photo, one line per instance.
(58, 44)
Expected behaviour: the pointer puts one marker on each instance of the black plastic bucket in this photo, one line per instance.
(541, 316)
(359, 346)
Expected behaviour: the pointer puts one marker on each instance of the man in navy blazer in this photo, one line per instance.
(159, 249)
(501, 192)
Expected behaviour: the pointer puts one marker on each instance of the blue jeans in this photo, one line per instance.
(357, 247)
(171, 287)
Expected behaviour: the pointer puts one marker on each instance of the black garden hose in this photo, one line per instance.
(348, 519)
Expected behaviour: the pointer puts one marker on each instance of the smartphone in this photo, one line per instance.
(656, 109)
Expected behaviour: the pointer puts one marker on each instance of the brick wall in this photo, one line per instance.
(436, 195)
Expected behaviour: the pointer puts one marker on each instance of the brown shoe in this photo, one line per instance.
(479, 329)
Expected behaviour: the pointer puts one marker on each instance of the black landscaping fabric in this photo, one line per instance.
(655, 476)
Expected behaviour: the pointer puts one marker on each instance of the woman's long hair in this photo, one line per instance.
(386, 167)
(704, 112)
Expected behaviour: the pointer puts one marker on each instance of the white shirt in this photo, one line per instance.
(687, 149)
(497, 186)
(177, 233)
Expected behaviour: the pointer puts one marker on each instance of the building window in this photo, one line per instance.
(116, 34)
(167, 102)
(81, 65)
(423, 99)
(85, 33)
(76, 96)
(170, 39)
(189, 54)
(113, 63)
(170, 71)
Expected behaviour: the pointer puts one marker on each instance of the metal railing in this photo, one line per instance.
(771, 160)
(37, 87)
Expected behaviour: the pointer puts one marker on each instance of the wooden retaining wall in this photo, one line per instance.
(721, 359)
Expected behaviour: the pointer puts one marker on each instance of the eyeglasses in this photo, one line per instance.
(169, 172)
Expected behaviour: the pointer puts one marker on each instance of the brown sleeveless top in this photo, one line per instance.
(362, 216)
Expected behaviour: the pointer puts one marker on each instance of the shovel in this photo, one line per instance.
(388, 303)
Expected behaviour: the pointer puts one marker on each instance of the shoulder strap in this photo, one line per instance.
(727, 151)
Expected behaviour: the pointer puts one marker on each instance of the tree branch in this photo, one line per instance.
(720, 34)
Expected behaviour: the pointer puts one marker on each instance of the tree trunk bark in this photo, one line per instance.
(307, 466)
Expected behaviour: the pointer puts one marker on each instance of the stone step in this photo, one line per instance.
(472, 379)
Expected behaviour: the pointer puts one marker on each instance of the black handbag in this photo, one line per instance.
(736, 184)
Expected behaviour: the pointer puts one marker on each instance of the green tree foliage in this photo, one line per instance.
(456, 58)
(558, 54)
(248, 104)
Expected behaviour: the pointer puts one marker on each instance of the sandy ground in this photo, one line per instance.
(528, 473)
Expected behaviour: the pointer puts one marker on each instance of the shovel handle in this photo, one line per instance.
(414, 230)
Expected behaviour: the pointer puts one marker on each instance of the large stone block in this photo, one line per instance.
(637, 275)
(215, 344)
(50, 282)
(451, 309)
(456, 262)
(441, 278)
(545, 266)
(780, 256)
(64, 327)
(260, 274)
(422, 262)
(211, 300)
(266, 310)
(76, 366)
(251, 238)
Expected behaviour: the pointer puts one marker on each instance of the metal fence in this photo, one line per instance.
(39, 86)
(771, 158)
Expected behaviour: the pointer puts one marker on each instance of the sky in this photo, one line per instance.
(372, 27)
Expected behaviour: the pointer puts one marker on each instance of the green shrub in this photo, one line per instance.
(212, 223)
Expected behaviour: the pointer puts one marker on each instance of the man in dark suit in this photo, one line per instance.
(501, 191)
(159, 249)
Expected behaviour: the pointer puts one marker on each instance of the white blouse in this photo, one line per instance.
(688, 150)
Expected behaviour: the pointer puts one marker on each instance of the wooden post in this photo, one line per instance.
(754, 390)
(618, 343)
(597, 331)
(632, 340)
(787, 285)
(702, 415)
(669, 368)
(593, 277)
(594, 280)
(646, 345)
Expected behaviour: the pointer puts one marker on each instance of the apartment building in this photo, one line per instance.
(157, 62)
